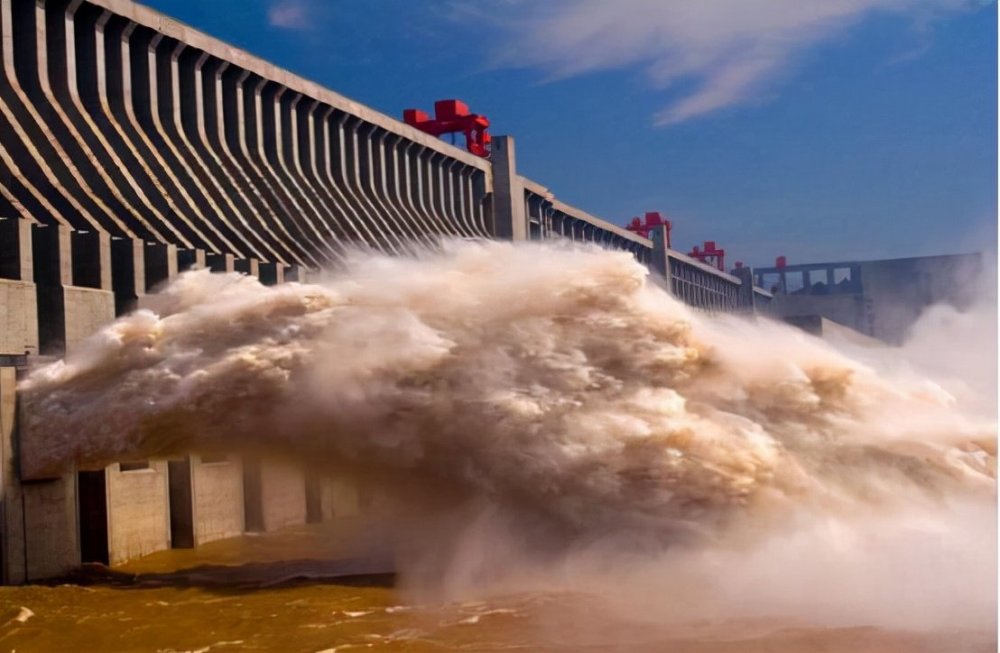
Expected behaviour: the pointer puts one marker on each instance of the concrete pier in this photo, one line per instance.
(218, 504)
(138, 510)
(274, 493)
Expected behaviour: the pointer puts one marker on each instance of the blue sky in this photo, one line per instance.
(817, 129)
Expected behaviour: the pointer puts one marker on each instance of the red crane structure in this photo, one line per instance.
(453, 117)
(710, 255)
(707, 253)
(653, 219)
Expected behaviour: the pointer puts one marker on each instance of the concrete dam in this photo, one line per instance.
(133, 148)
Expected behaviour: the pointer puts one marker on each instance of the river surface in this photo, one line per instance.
(276, 592)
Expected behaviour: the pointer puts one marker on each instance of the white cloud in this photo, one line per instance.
(723, 52)
(288, 14)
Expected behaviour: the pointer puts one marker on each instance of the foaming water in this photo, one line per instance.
(548, 418)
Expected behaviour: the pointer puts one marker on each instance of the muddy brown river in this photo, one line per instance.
(287, 591)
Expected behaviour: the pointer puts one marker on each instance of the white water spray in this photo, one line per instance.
(560, 392)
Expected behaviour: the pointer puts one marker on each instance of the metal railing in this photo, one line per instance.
(548, 218)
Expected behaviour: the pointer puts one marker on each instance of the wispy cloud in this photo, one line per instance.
(721, 52)
(288, 14)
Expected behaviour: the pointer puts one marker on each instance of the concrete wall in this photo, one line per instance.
(217, 490)
(339, 498)
(283, 493)
(73, 284)
(18, 317)
(51, 540)
(886, 297)
(12, 554)
(848, 309)
(87, 310)
(274, 494)
(899, 290)
(832, 330)
(138, 511)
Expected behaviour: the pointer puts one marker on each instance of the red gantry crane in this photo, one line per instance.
(653, 219)
(710, 255)
(707, 253)
(453, 117)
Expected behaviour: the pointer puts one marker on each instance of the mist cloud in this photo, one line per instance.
(547, 417)
(288, 14)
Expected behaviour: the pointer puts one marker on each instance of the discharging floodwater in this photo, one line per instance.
(274, 593)
(571, 459)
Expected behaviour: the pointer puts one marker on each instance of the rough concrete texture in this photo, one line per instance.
(884, 298)
(338, 498)
(138, 511)
(18, 317)
(51, 543)
(12, 537)
(38, 533)
(217, 498)
(846, 309)
(12, 526)
(283, 494)
(84, 311)
(899, 290)
(87, 310)
(831, 330)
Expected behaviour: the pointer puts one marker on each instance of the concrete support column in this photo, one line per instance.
(248, 266)
(190, 259)
(746, 295)
(52, 255)
(91, 259)
(216, 498)
(128, 273)
(661, 255)
(274, 494)
(53, 271)
(12, 553)
(18, 295)
(138, 517)
(509, 220)
(220, 262)
(38, 527)
(293, 273)
(161, 264)
(339, 498)
(15, 250)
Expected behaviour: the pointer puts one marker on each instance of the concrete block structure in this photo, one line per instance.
(138, 510)
(880, 299)
(274, 494)
(49, 536)
(134, 148)
(218, 509)
(339, 498)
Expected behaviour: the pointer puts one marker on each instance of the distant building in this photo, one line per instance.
(881, 299)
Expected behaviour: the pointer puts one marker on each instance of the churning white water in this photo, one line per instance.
(569, 423)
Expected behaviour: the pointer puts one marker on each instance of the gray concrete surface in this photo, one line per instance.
(138, 511)
(218, 498)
